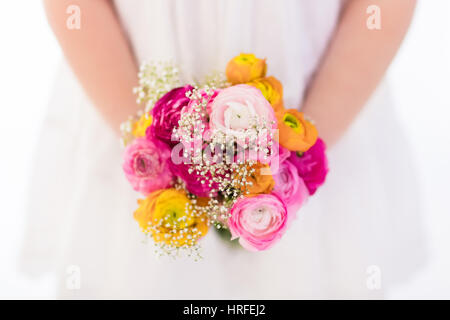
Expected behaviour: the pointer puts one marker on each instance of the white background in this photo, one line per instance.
(420, 79)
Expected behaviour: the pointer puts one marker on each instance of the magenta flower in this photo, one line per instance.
(258, 221)
(312, 165)
(146, 165)
(193, 180)
(166, 113)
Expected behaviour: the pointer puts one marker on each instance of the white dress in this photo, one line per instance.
(364, 220)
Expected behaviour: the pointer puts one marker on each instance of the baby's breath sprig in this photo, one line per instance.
(215, 79)
(175, 238)
(156, 78)
(165, 250)
(126, 129)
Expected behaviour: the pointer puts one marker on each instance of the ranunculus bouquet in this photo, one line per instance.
(224, 153)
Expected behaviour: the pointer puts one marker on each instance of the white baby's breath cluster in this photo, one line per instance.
(189, 237)
(162, 249)
(126, 129)
(156, 78)
(215, 79)
(227, 178)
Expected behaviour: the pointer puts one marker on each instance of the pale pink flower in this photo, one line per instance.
(258, 221)
(237, 108)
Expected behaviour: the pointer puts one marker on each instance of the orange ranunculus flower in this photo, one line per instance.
(272, 90)
(245, 68)
(296, 133)
(140, 126)
(168, 217)
(261, 180)
(202, 201)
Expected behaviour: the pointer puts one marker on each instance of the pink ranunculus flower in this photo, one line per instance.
(166, 113)
(275, 161)
(283, 154)
(204, 95)
(312, 166)
(290, 187)
(202, 126)
(146, 165)
(236, 108)
(258, 221)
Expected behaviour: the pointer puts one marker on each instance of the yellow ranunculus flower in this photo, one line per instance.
(168, 216)
(272, 90)
(140, 126)
(143, 214)
(245, 68)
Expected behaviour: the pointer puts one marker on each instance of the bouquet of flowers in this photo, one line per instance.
(223, 154)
